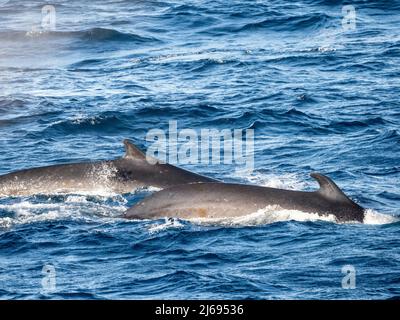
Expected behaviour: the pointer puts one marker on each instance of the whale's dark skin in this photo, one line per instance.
(123, 175)
(218, 200)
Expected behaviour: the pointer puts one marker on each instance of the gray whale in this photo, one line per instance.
(218, 200)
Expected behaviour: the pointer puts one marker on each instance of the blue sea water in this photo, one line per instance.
(319, 95)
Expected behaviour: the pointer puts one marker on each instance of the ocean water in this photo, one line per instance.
(320, 90)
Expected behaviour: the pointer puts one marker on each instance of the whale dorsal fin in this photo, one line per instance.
(329, 189)
(133, 152)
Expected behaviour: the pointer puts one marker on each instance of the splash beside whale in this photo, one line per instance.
(123, 175)
(221, 200)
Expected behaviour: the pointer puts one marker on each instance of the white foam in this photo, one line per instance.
(25, 206)
(6, 223)
(83, 197)
(74, 207)
(268, 215)
(326, 49)
(76, 199)
(36, 33)
(27, 212)
(152, 189)
(272, 214)
(168, 224)
(375, 217)
(101, 189)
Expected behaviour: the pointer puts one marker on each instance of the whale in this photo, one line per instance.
(123, 175)
(224, 200)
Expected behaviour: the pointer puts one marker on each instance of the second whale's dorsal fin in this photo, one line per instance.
(133, 152)
(328, 189)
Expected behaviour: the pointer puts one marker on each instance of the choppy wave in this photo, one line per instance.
(62, 207)
(288, 24)
(92, 35)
